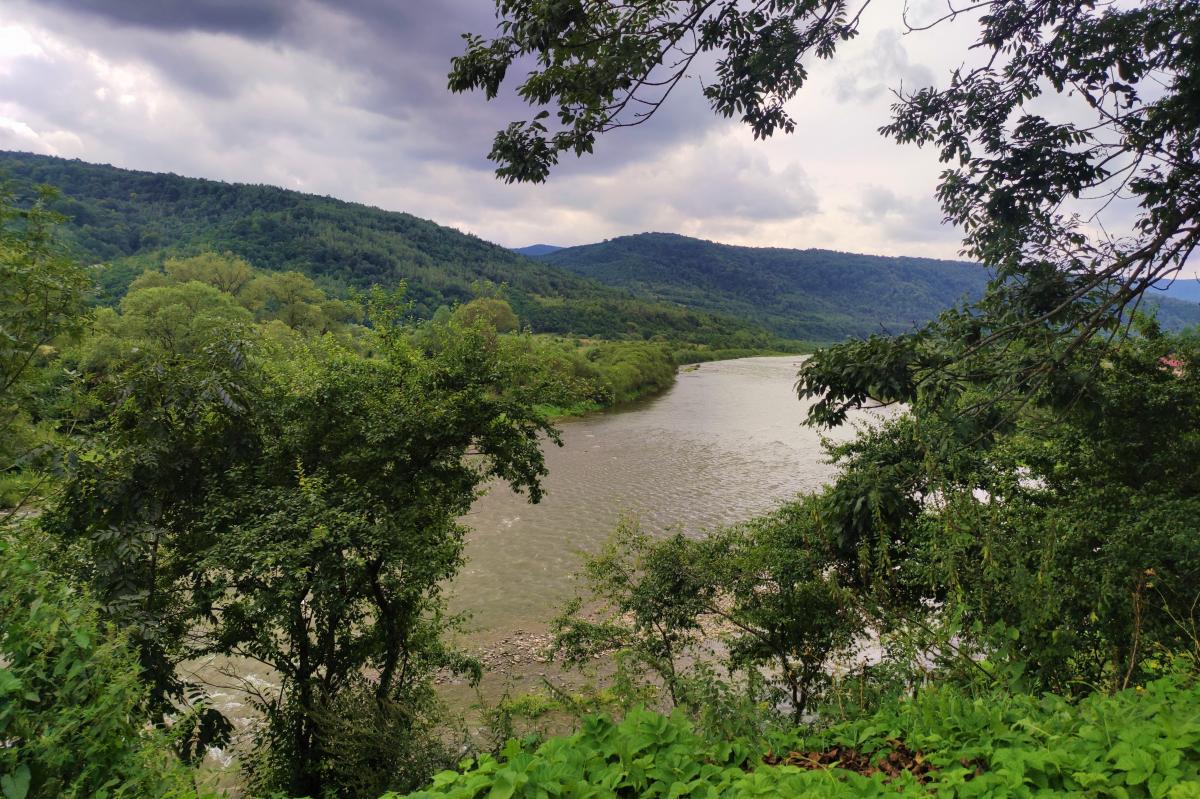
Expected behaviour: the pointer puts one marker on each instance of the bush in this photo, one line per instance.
(631, 370)
(758, 601)
(72, 720)
(1138, 743)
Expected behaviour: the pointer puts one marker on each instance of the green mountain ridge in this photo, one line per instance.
(812, 294)
(637, 286)
(131, 220)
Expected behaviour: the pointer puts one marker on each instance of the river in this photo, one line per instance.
(725, 444)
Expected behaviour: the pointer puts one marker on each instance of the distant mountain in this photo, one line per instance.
(818, 295)
(1185, 289)
(644, 285)
(131, 220)
(534, 250)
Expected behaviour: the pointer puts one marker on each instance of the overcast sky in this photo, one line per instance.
(348, 98)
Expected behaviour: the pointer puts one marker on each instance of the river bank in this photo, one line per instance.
(649, 378)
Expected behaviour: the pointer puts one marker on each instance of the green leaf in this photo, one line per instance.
(16, 784)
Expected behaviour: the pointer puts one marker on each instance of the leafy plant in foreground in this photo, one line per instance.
(1136, 744)
(73, 721)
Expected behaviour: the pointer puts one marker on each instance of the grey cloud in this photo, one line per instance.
(395, 55)
(257, 19)
(886, 67)
(349, 98)
(711, 183)
(403, 58)
(750, 192)
(902, 217)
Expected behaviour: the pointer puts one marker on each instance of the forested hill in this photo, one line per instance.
(132, 220)
(649, 284)
(815, 294)
(818, 295)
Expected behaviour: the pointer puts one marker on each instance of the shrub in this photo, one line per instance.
(72, 714)
(1138, 743)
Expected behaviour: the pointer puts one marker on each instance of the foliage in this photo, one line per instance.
(43, 297)
(767, 591)
(632, 370)
(289, 298)
(1143, 743)
(298, 507)
(329, 548)
(72, 714)
(369, 746)
(495, 311)
(167, 424)
(1074, 529)
(136, 221)
(43, 291)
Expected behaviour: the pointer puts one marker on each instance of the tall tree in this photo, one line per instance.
(43, 300)
(300, 509)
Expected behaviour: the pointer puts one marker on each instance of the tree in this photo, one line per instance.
(1073, 530)
(179, 318)
(133, 496)
(289, 297)
(43, 299)
(492, 311)
(1025, 185)
(227, 272)
(340, 534)
(769, 590)
(43, 292)
(300, 508)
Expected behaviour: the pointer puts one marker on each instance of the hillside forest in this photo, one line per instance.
(242, 423)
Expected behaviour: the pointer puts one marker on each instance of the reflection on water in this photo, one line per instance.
(725, 444)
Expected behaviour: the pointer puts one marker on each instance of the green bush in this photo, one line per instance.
(1138, 743)
(631, 369)
(72, 720)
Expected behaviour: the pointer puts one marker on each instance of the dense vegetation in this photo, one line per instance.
(70, 694)
(817, 295)
(131, 221)
(231, 462)
(943, 742)
(235, 464)
(996, 596)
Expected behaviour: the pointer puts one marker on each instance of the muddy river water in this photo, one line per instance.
(726, 443)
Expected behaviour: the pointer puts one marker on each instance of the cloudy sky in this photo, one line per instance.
(348, 98)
